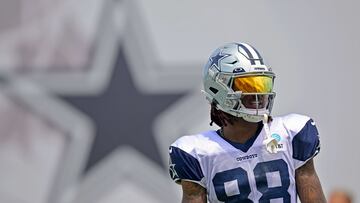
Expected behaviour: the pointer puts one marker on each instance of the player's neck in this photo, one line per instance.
(240, 132)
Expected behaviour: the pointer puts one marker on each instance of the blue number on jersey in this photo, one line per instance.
(238, 174)
(262, 185)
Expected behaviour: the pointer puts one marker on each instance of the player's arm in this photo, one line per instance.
(308, 184)
(193, 192)
(186, 170)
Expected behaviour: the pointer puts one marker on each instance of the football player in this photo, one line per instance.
(252, 157)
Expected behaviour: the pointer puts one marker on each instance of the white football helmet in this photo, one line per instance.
(239, 83)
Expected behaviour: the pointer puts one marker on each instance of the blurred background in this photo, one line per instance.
(92, 92)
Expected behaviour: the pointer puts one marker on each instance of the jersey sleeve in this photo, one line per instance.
(306, 144)
(305, 138)
(184, 166)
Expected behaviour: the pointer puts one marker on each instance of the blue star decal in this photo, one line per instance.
(123, 115)
(218, 57)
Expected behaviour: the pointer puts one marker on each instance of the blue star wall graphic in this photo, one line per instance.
(123, 115)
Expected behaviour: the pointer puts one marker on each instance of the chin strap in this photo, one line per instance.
(269, 142)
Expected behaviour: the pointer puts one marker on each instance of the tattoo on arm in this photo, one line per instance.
(308, 184)
(193, 192)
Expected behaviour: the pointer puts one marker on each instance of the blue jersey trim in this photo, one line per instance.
(184, 165)
(306, 143)
(245, 146)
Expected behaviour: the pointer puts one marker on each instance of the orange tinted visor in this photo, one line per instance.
(253, 84)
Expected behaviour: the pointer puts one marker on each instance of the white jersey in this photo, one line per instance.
(233, 172)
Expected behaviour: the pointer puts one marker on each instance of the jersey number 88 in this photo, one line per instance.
(262, 185)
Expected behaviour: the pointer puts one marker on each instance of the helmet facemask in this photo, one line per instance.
(250, 95)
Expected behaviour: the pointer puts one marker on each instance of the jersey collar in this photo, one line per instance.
(245, 146)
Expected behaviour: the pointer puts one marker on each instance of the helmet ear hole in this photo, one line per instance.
(213, 90)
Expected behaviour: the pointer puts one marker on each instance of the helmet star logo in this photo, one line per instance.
(217, 58)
